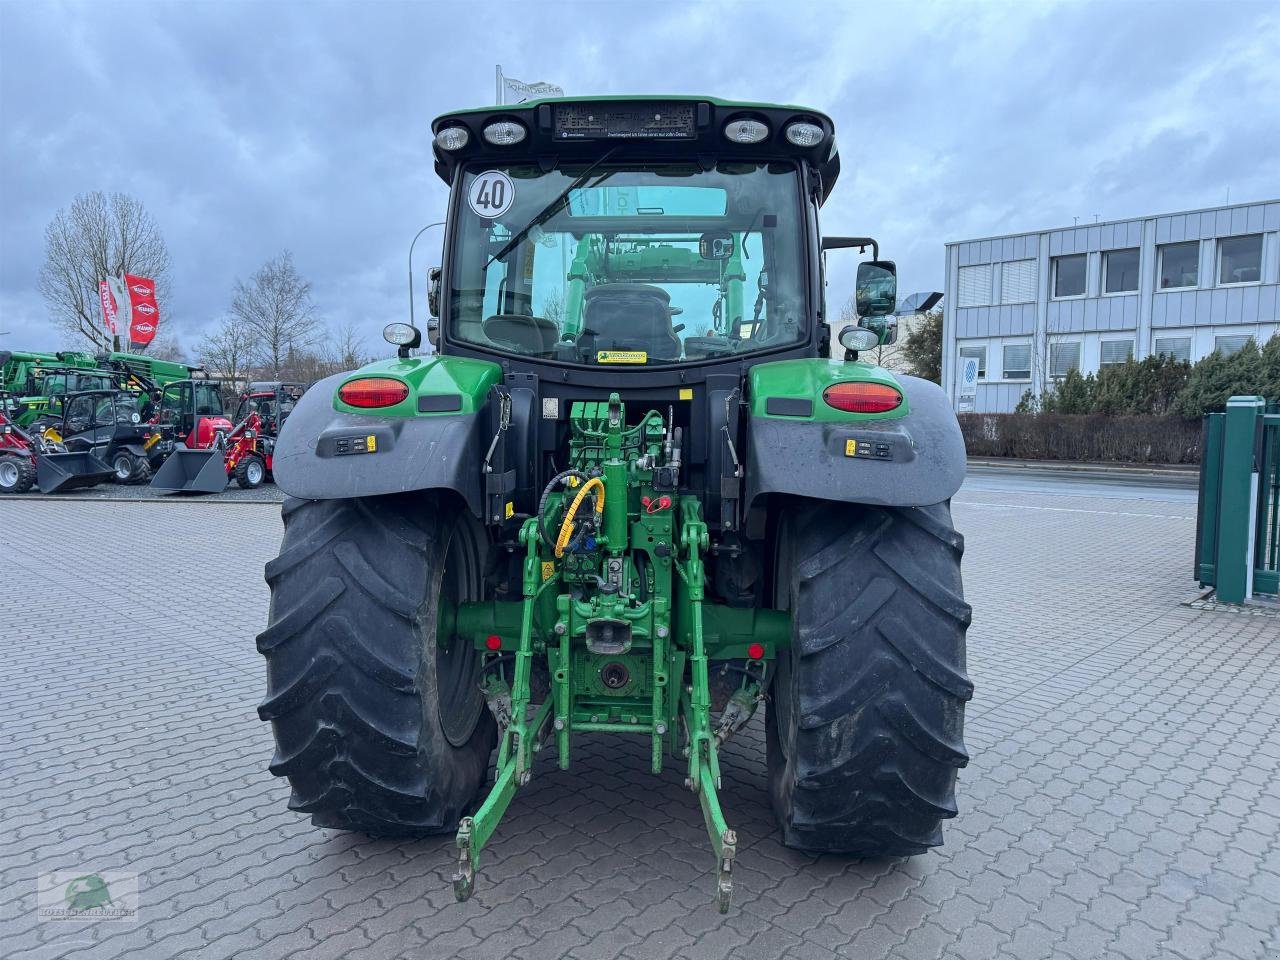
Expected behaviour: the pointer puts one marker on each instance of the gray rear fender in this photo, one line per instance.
(441, 452)
(926, 464)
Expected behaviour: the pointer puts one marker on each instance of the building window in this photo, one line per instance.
(1115, 352)
(1017, 362)
(1179, 348)
(1229, 345)
(975, 285)
(1064, 357)
(979, 353)
(1179, 265)
(1068, 275)
(1120, 271)
(1240, 259)
(1018, 282)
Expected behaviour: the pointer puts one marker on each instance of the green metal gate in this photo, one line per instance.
(1238, 520)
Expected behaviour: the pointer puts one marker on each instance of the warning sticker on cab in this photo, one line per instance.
(622, 356)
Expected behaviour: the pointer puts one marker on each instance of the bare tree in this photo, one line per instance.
(345, 348)
(275, 305)
(888, 356)
(340, 350)
(227, 351)
(96, 238)
(167, 347)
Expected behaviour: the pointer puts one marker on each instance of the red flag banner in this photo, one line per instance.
(109, 308)
(145, 310)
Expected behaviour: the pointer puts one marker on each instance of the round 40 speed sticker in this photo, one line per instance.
(491, 194)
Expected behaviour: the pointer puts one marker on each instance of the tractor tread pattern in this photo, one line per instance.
(350, 685)
(879, 682)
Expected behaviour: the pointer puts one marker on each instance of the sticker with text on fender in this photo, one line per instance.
(344, 446)
(622, 356)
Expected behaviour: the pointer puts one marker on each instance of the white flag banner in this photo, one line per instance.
(520, 91)
(124, 308)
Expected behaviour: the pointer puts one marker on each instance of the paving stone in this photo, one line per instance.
(1121, 800)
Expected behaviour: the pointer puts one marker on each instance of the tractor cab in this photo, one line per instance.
(272, 401)
(658, 234)
(193, 411)
(50, 385)
(108, 425)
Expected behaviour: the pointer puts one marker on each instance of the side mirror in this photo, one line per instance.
(433, 291)
(885, 328)
(715, 245)
(876, 290)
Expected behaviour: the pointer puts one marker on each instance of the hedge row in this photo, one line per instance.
(1093, 437)
(1161, 386)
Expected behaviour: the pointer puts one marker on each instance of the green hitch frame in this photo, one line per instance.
(640, 572)
(516, 747)
(704, 760)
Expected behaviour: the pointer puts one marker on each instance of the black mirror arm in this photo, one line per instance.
(844, 243)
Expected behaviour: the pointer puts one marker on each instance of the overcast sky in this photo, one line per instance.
(248, 128)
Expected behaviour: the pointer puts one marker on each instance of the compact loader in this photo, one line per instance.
(212, 456)
(193, 412)
(627, 494)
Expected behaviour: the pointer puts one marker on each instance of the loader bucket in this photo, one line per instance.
(56, 472)
(192, 471)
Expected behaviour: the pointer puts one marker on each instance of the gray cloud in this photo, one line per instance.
(248, 128)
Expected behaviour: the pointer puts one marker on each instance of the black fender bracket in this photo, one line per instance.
(912, 461)
(322, 454)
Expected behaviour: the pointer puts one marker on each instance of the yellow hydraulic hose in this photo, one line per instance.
(566, 528)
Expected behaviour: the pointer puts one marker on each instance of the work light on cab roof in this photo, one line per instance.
(596, 508)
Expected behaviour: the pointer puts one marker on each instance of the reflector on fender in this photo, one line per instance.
(862, 397)
(373, 392)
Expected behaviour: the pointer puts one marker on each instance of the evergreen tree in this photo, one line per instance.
(922, 350)
(1216, 378)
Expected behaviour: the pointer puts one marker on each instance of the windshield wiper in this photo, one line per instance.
(552, 208)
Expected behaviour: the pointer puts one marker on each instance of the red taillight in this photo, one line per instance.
(493, 642)
(756, 651)
(862, 397)
(373, 392)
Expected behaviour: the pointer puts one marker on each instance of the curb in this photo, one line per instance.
(55, 498)
(1188, 471)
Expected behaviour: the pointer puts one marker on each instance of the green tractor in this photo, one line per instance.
(627, 494)
(39, 382)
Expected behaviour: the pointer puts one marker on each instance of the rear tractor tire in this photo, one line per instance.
(865, 729)
(250, 472)
(378, 727)
(17, 473)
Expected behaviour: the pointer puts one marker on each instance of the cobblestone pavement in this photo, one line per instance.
(267, 493)
(1123, 799)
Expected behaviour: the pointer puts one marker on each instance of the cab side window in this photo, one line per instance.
(174, 402)
(208, 402)
(79, 414)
